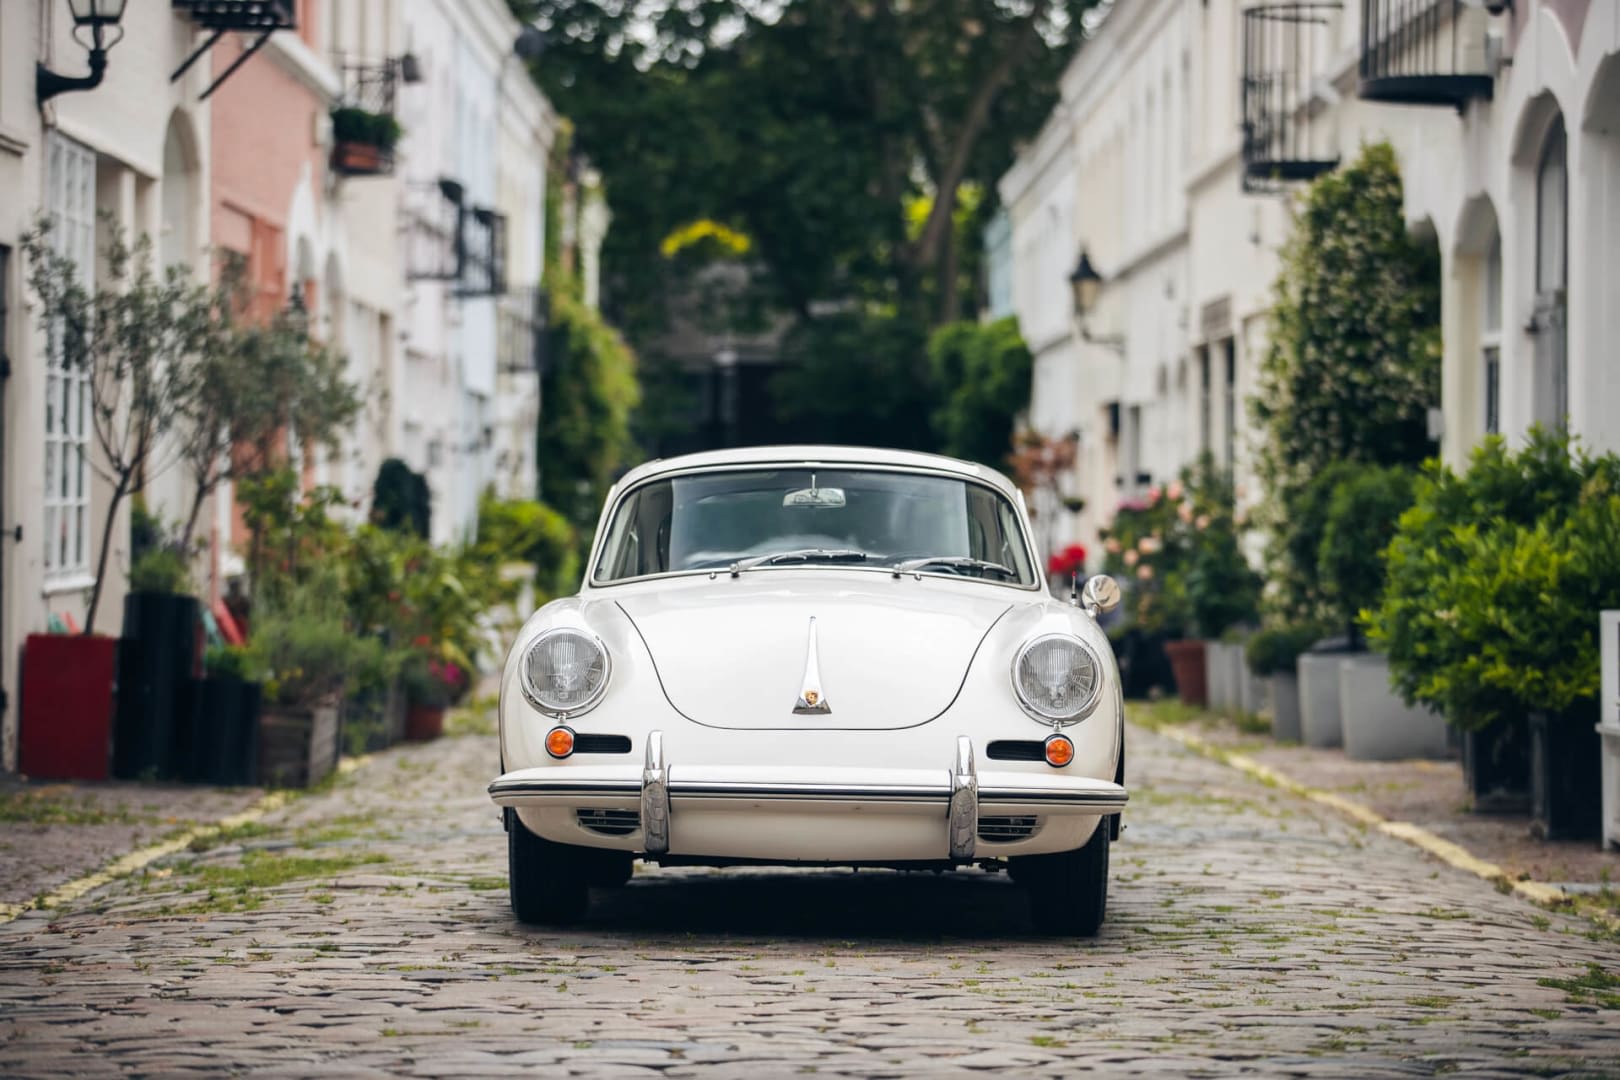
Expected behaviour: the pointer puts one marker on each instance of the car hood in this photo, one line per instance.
(891, 652)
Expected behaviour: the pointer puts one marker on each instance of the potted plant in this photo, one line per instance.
(1496, 579)
(362, 141)
(159, 655)
(1272, 654)
(221, 735)
(1363, 508)
(134, 338)
(306, 649)
(430, 687)
(1146, 548)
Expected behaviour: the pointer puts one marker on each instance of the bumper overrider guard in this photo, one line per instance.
(960, 792)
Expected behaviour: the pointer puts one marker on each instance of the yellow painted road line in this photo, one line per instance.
(125, 865)
(1451, 854)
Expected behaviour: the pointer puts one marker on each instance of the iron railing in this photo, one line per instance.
(1285, 49)
(1424, 52)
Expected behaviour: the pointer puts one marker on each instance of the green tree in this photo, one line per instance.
(137, 336)
(1362, 511)
(589, 391)
(1354, 362)
(982, 372)
(814, 128)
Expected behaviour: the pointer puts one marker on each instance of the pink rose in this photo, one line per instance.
(1131, 557)
(1144, 572)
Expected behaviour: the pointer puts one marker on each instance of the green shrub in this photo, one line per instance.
(228, 662)
(302, 642)
(1354, 362)
(400, 499)
(1362, 511)
(1275, 650)
(1180, 552)
(530, 531)
(982, 373)
(1495, 580)
(350, 124)
(160, 570)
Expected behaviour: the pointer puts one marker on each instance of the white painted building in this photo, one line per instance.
(1513, 169)
(477, 134)
(137, 148)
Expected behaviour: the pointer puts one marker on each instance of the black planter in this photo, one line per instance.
(220, 738)
(157, 658)
(1496, 767)
(1566, 778)
(1143, 664)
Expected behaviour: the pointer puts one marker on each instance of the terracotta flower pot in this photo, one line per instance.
(1188, 665)
(424, 722)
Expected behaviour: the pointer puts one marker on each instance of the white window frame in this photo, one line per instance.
(71, 202)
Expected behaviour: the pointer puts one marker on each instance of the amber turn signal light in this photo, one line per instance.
(560, 742)
(1059, 751)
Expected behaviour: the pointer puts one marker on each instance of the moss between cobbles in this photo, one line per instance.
(1595, 987)
(52, 808)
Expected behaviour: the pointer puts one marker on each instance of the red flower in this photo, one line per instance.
(1071, 560)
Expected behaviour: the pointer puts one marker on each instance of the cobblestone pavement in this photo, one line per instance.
(1249, 932)
(51, 833)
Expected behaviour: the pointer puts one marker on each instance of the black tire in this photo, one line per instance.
(1068, 891)
(545, 879)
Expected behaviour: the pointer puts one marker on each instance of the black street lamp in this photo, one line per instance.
(1085, 281)
(101, 19)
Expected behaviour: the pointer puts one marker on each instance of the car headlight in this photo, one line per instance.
(1058, 679)
(565, 671)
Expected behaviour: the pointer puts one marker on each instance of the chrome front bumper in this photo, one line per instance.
(959, 792)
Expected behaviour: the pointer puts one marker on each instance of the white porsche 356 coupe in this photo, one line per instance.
(808, 656)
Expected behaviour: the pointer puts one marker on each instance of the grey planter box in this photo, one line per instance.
(1218, 676)
(1377, 724)
(1609, 724)
(1284, 693)
(1254, 692)
(1319, 723)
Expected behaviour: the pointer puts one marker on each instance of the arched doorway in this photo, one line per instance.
(1597, 398)
(178, 240)
(1477, 363)
(1549, 321)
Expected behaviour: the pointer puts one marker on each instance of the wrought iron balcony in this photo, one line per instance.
(520, 331)
(483, 252)
(1424, 52)
(1286, 47)
(364, 127)
(245, 15)
(432, 231)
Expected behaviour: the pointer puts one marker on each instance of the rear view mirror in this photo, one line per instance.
(1101, 594)
(814, 498)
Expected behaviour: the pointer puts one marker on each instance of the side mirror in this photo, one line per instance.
(1100, 595)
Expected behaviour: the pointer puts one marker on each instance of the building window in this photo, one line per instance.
(1229, 432)
(71, 202)
(1206, 416)
(1491, 338)
(1552, 266)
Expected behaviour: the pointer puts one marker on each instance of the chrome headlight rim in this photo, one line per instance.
(1057, 720)
(532, 696)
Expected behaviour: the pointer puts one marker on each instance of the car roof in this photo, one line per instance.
(816, 455)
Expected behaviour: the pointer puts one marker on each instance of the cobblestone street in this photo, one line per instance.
(367, 929)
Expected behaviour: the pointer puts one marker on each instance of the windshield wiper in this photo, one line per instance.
(803, 555)
(984, 566)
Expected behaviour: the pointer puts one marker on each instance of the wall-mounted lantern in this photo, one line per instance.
(100, 19)
(1086, 282)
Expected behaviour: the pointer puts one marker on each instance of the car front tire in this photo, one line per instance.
(546, 882)
(1068, 891)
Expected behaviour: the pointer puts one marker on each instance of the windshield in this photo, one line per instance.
(864, 517)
